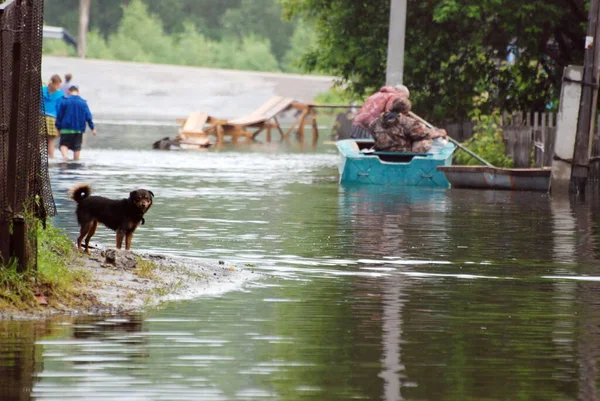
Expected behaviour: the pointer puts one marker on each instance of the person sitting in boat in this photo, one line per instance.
(396, 131)
(376, 104)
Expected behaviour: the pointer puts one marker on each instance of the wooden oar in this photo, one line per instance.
(454, 141)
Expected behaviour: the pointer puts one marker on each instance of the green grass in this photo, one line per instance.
(53, 278)
(145, 268)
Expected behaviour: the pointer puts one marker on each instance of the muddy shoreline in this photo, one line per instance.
(116, 288)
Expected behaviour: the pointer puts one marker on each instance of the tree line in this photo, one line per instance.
(463, 58)
(240, 34)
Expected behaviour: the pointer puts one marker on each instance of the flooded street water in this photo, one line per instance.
(365, 293)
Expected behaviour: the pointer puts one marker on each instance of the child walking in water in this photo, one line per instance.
(73, 114)
(52, 97)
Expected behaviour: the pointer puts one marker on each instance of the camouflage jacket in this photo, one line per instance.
(400, 133)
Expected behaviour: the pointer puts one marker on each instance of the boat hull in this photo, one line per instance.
(391, 168)
(483, 177)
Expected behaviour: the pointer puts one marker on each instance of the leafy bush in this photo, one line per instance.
(97, 46)
(140, 36)
(486, 143)
(57, 48)
(193, 48)
(252, 53)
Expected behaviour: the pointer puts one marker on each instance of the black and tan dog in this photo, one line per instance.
(122, 216)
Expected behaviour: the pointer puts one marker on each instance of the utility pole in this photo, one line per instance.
(395, 54)
(84, 21)
(587, 104)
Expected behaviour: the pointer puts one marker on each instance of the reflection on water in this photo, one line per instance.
(372, 293)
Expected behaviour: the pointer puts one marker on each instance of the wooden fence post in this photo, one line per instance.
(18, 236)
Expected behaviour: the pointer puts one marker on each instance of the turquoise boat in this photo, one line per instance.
(360, 165)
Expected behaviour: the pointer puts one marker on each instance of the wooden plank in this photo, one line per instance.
(508, 134)
(454, 131)
(522, 151)
(550, 140)
(299, 119)
(315, 127)
(259, 130)
(538, 147)
(543, 120)
(220, 135)
(333, 106)
(300, 132)
(194, 124)
(538, 140)
(518, 145)
(278, 126)
(193, 135)
(266, 111)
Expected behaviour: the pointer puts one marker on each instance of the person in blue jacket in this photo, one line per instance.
(73, 114)
(51, 96)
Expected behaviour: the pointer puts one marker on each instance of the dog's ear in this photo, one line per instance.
(132, 194)
(151, 193)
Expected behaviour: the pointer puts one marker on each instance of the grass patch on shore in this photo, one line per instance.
(53, 281)
(145, 268)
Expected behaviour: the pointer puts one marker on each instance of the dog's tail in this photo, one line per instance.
(80, 192)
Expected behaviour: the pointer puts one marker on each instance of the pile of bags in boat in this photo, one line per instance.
(385, 116)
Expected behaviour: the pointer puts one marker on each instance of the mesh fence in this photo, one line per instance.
(24, 180)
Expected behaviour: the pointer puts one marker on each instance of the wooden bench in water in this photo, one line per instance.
(199, 126)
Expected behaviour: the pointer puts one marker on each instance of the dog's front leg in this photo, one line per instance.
(119, 238)
(128, 238)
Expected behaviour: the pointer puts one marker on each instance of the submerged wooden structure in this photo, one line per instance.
(199, 126)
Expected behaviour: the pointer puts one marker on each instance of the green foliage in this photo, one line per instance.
(486, 143)
(52, 278)
(455, 50)
(261, 19)
(244, 34)
(141, 38)
(302, 42)
(193, 48)
(57, 47)
(252, 53)
(97, 46)
(55, 250)
(15, 287)
(145, 268)
(106, 15)
(205, 14)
